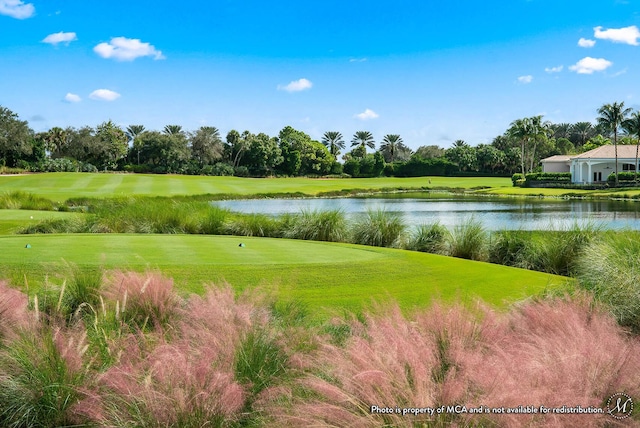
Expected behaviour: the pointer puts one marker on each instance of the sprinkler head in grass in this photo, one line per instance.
(27, 246)
(241, 244)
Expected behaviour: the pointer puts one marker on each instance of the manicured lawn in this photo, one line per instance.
(10, 220)
(326, 276)
(62, 186)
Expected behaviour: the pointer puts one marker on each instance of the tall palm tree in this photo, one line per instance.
(55, 140)
(539, 129)
(173, 129)
(582, 131)
(521, 129)
(132, 132)
(334, 142)
(632, 127)
(391, 145)
(363, 139)
(611, 118)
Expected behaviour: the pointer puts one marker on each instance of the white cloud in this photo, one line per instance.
(628, 35)
(357, 59)
(557, 69)
(366, 115)
(525, 79)
(586, 43)
(588, 65)
(16, 9)
(104, 95)
(60, 37)
(72, 98)
(296, 85)
(123, 49)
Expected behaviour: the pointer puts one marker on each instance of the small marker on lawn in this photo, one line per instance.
(241, 244)
(27, 246)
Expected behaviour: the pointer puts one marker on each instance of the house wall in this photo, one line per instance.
(562, 166)
(581, 173)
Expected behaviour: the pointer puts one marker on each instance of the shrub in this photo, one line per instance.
(560, 250)
(378, 228)
(25, 201)
(517, 179)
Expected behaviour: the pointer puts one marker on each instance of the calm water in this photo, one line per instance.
(494, 213)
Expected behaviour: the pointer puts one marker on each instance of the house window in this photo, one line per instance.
(628, 167)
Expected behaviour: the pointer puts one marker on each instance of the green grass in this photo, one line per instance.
(325, 276)
(63, 186)
(12, 220)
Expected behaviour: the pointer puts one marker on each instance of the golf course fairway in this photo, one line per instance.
(325, 276)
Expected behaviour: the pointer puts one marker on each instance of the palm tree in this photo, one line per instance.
(632, 127)
(363, 139)
(391, 145)
(521, 130)
(611, 118)
(206, 145)
(55, 140)
(334, 142)
(132, 132)
(173, 129)
(582, 131)
(538, 129)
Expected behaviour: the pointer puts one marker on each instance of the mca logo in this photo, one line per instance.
(620, 405)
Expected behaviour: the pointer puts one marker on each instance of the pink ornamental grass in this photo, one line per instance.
(551, 353)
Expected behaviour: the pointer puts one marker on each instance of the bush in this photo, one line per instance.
(510, 248)
(517, 179)
(241, 171)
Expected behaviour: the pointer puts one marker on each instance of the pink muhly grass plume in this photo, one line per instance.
(14, 314)
(145, 299)
(556, 353)
(188, 379)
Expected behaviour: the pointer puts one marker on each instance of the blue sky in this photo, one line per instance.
(433, 72)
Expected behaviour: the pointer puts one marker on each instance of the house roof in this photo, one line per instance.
(608, 152)
(557, 158)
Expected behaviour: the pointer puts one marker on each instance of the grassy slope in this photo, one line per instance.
(62, 186)
(10, 220)
(324, 275)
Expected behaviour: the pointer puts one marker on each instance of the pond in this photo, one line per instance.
(495, 213)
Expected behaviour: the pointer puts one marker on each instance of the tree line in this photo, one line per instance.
(109, 147)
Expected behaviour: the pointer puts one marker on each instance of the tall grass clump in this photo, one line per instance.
(61, 225)
(468, 240)
(429, 238)
(315, 225)
(25, 201)
(378, 228)
(252, 225)
(212, 220)
(41, 376)
(511, 248)
(610, 268)
(558, 250)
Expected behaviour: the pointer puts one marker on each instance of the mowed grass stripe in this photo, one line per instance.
(326, 276)
(61, 186)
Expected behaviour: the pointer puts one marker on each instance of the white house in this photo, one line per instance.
(593, 166)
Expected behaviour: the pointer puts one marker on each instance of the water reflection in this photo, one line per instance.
(494, 213)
